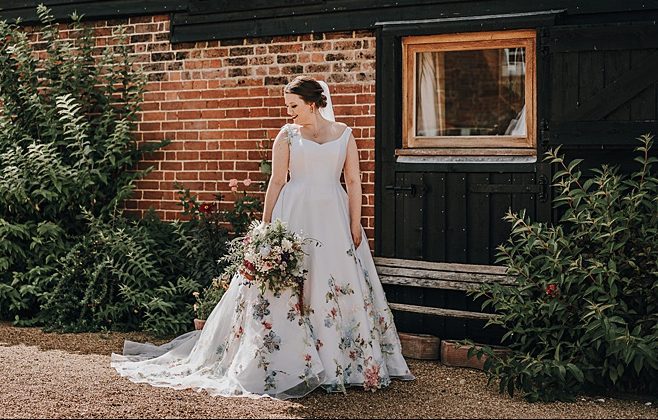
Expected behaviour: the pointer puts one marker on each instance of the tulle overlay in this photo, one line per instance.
(257, 344)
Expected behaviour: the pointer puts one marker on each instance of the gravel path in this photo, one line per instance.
(47, 375)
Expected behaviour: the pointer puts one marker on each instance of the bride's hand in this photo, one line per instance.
(356, 234)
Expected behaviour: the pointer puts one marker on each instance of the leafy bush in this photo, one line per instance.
(208, 222)
(69, 259)
(109, 280)
(210, 297)
(583, 312)
(66, 149)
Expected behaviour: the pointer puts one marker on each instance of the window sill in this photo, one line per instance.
(466, 155)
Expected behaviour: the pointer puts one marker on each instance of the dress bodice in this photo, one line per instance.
(315, 163)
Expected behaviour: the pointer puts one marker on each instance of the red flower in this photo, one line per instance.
(552, 290)
(307, 357)
(207, 208)
(267, 325)
(248, 265)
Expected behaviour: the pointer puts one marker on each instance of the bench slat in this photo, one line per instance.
(440, 311)
(428, 283)
(474, 278)
(454, 267)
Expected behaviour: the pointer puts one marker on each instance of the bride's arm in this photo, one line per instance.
(280, 156)
(353, 184)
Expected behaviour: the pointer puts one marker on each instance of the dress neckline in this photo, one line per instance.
(326, 142)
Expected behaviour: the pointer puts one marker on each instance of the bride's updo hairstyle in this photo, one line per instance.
(308, 89)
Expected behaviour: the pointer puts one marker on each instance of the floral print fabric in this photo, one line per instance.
(257, 344)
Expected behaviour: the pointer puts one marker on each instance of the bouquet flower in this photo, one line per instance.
(270, 256)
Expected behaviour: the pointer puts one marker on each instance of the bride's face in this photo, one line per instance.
(300, 111)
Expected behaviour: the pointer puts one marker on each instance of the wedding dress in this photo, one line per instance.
(257, 344)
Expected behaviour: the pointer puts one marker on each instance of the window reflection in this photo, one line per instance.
(471, 93)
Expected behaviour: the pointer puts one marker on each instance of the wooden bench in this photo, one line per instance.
(435, 275)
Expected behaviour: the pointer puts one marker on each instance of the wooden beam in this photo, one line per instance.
(463, 268)
(452, 313)
(609, 37)
(476, 278)
(618, 92)
(599, 133)
(428, 283)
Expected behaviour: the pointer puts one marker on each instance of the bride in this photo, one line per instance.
(257, 344)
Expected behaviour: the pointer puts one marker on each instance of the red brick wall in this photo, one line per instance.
(217, 100)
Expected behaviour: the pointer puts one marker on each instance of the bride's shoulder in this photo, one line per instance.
(289, 126)
(339, 127)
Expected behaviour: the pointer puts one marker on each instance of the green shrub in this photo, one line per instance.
(69, 259)
(210, 297)
(208, 222)
(583, 312)
(66, 149)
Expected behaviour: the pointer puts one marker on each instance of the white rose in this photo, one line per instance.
(286, 244)
(265, 251)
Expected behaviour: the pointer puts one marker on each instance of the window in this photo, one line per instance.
(469, 94)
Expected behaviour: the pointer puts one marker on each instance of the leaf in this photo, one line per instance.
(576, 372)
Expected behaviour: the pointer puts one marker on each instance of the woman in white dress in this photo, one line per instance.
(257, 344)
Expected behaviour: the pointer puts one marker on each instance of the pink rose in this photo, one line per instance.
(233, 182)
(247, 182)
(234, 189)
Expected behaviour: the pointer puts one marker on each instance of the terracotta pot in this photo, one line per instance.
(454, 355)
(419, 346)
(199, 323)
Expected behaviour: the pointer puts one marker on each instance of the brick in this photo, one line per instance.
(241, 51)
(276, 80)
(338, 35)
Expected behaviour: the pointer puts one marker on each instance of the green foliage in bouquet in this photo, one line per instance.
(582, 314)
(66, 149)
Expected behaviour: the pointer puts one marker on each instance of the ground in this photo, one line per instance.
(50, 375)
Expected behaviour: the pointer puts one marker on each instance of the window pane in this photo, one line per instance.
(471, 93)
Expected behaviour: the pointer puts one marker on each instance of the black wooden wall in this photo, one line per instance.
(596, 93)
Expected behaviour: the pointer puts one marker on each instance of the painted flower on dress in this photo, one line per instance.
(371, 381)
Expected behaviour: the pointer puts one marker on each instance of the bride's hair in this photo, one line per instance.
(308, 89)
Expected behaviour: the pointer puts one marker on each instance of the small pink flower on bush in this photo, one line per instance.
(552, 290)
(233, 183)
(247, 182)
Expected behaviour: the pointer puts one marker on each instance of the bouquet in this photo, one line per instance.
(270, 256)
